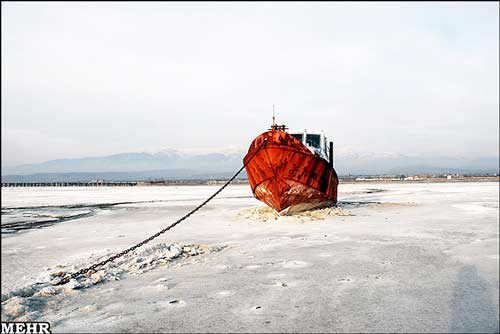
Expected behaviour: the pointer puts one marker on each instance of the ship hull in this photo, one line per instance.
(287, 176)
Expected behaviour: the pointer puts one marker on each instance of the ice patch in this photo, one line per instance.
(476, 207)
(295, 264)
(253, 266)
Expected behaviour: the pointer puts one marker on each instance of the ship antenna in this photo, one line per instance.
(274, 122)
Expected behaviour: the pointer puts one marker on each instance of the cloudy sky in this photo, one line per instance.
(90, 79)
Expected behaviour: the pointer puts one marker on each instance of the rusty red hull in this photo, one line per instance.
(284, 173)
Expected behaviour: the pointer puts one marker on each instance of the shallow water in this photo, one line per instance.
(15, 220)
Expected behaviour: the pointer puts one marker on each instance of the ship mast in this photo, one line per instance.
(274, 121)
(277, 127)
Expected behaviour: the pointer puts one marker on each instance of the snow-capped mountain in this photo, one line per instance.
(201, 163)
(128, 162)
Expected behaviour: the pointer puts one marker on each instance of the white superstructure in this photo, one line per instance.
(315, 141)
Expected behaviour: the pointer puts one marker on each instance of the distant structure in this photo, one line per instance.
(93, 183)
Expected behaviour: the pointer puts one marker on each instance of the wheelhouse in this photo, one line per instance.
(315, 141)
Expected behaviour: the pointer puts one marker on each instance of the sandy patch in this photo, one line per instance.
(269, 215)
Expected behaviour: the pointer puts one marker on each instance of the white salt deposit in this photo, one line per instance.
(31, 299)
(405, 258)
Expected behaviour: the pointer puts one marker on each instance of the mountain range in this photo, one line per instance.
(174, 165)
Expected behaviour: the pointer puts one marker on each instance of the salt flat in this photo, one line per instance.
(417, 257)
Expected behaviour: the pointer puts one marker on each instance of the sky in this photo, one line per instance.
(91, 79)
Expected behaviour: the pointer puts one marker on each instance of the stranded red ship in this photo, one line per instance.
(293, 171)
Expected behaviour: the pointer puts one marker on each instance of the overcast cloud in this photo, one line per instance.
(88, 79)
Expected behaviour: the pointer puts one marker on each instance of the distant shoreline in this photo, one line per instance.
(428, 180)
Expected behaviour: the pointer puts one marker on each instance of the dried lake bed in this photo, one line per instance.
(418, 257)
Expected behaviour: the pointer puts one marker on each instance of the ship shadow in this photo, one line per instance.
(472, 309)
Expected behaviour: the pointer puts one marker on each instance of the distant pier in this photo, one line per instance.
(68, 184)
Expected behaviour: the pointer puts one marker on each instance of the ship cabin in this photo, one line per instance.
(315, 141)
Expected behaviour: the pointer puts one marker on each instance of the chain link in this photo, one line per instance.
(93, 267)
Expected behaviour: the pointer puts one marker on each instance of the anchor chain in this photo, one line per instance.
(93, 267)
